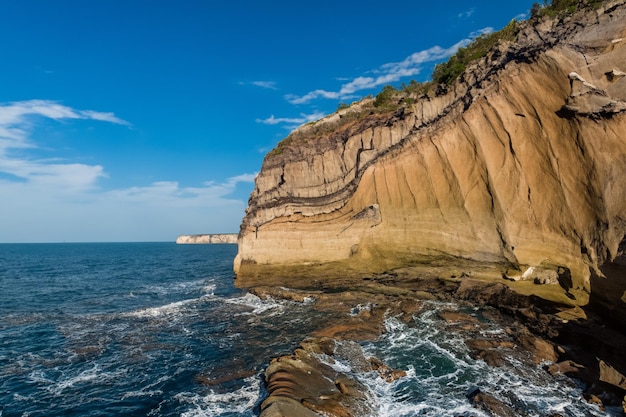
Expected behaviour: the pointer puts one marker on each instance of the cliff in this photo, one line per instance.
(516, 172)
(214, 238)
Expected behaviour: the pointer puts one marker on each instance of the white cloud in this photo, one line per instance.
(270, 85)
(171, 194)
(484, 31)
(17, 121)
(265, 84)
(16, 112)
(104, 117)
(387, 73)
(291, 121)
(466, 14)
(156, 212)
(56, 200)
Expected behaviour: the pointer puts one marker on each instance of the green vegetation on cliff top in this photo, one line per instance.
(444, 74)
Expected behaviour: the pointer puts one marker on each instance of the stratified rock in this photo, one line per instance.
(304, 385)
(285, 407)
(520, 163)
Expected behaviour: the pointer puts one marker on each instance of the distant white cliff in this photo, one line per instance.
(199, 239)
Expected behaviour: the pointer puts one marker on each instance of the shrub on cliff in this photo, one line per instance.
(561, 7)
(385, 99)
(447, 72)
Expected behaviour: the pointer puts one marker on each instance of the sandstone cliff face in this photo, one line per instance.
(521, 163)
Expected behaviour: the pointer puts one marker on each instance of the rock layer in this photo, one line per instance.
(520, 164)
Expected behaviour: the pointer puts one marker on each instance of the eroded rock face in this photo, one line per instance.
(521, 163)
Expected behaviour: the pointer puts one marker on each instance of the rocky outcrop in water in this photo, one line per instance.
(518, 167)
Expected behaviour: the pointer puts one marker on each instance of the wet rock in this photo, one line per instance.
(568, 367)
(488, 350)
(285, 407)
(302, 384)
(385, 372)
(611, 376)
(593, 399)
(460, 321)
(541, 350)
(491, 405)
(283, 293)
(472, 392)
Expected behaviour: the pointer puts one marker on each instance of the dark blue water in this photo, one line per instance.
(144, 329)
(158, 329)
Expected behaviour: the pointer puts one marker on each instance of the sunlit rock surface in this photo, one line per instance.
(519, 164)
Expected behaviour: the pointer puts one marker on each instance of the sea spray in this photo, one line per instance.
(440, 371)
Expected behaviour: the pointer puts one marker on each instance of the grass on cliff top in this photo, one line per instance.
(390, 99)
(447, 72)
(561, 8)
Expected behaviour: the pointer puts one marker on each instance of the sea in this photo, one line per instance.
(159, 329)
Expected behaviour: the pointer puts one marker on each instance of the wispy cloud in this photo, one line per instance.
(16, 123)
(291, 121)
(172, 194)
(270, 85)
(55, 199)
(466, 14)
(266, 84)
(159, 211)
(484, 31)
(385, 74)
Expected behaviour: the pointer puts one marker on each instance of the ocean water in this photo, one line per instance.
(158, 329)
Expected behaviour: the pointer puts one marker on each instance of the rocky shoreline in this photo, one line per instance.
(543, 333)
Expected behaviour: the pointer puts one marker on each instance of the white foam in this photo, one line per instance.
(209, 290)
(148, 390)
(141, 393)
(95, 373)
(173, 287)
(440, 370)
(241, 401)
(257, 304)
(168, 309)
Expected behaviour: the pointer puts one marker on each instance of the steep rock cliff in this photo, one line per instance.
(518, 170)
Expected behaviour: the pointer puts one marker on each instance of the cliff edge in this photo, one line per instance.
(515, 172)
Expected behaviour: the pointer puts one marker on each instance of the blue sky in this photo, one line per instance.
(142, 120)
